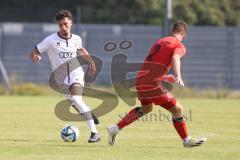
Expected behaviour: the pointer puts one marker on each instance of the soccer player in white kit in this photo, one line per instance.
(62, 47)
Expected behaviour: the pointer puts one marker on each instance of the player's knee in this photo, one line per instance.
(177, 110)
(76, 89)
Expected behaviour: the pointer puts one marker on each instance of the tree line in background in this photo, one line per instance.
(195, 12)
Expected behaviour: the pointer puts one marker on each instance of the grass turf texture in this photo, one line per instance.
(30, 131)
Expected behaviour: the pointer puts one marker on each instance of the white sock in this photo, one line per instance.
(83, 108)
(92, 126)
(186, 140)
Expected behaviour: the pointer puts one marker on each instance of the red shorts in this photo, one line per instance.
(166, 100)
(151, 92)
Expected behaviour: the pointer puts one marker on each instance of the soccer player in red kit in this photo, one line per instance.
(167, 52)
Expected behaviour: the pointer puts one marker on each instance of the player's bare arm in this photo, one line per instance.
(176, 66)
(92, 67)
(35, 56)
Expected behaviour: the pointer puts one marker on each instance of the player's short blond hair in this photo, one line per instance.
(180, 27)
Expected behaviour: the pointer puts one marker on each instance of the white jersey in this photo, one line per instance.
(60, 50)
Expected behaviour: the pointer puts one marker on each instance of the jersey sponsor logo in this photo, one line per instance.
(66, 54)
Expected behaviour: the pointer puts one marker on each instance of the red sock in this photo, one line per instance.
(180, 126)
(132, 116)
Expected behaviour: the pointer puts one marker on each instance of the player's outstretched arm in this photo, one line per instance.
(176, 65)
(35, 56)
(92, 67)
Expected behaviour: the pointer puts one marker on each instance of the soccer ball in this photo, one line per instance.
(70, 133)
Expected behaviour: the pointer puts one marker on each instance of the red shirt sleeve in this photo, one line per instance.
(180, 49)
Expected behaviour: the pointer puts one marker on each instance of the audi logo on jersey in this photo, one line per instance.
(66, 54)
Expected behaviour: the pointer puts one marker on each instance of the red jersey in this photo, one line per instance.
(156, 64)
(162, 51)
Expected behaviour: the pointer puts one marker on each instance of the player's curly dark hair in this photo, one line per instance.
(62, 14)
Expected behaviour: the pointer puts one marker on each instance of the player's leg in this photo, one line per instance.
(79, 91)
(134, 115)
(180, 126)
(76, 91)
(168, 102)
(178, 120)
(129, 118)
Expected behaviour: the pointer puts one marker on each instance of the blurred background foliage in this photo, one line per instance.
(194, 12)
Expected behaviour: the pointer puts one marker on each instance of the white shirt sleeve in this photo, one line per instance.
(43, 46)
(79, 43)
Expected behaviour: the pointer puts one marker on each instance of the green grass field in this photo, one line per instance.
(29, 130)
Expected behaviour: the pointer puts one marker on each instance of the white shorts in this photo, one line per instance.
(76, 76)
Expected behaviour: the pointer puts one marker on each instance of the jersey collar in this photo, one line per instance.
(64, 37)
(175, 38)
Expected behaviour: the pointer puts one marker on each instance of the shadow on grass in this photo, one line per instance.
(76, 145)
(156, 147)
(69, 145)
(103, 146)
